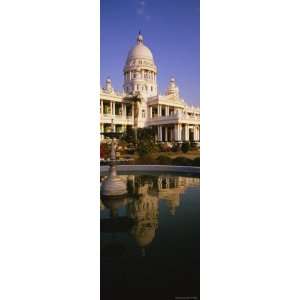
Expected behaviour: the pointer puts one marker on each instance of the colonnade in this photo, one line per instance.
(113, 108)
(147, 74)
(169, 110)
(177, 132)
(113, 127)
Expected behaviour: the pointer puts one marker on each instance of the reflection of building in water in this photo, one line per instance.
(170, 189)
(102, 206)
(142, 203)
(114, 204)
(144, 212)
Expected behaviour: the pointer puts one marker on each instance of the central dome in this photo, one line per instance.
(140, 51)
(140, 70)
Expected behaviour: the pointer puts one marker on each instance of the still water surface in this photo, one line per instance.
(150, 239)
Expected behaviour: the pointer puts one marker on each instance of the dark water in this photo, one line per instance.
(150, 239)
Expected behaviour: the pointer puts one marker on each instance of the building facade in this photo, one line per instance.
(171, 117)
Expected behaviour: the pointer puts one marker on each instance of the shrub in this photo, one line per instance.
(130, 151)
(146, 133)
(175, 147)
(182, 161)
(105, 149)
(145, 148)
(164, 160)
(145, 160)
(185, 147)
(165, 147)
(196, 162)
(193, 145)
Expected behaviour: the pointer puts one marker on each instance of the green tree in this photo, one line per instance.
(128, 136)
(146, 142)
(185, 147)
(135, 99)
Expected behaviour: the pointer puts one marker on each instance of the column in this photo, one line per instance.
(179, 132)
(176, 132)
(186, 133)
(123, 110)
(195, 133)
(167, 137)
(114, 108)
(159, 110)
(167, 110)
(160, 133)
(101, 105)
(167, 134)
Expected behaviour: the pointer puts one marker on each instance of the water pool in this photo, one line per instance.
(150, 239)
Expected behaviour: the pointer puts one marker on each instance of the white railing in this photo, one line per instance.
(174, 118)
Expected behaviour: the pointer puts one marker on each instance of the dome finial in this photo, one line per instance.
(140, 38)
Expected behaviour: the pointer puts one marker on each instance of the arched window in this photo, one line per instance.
(151, 88)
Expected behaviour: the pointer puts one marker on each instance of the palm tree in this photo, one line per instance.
(135, 99)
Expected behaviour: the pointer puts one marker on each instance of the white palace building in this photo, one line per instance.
(173, 119)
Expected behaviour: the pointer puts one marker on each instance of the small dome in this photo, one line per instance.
(108, 80)
(172, 88)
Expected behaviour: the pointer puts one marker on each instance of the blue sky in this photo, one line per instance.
(170, 29)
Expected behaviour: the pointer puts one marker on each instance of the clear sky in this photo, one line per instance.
(170, 29)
